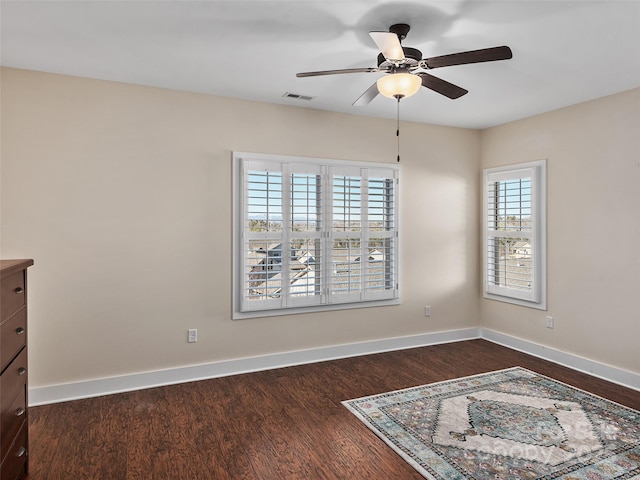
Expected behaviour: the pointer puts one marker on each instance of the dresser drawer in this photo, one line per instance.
(13, 466)
(12, 294)
(11, 421)
(12, 381)
(13, 336)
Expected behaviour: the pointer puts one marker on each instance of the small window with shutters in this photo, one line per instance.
(313, 234)
(514, 226)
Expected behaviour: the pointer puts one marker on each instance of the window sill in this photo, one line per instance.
(315, 309)
(516, 301)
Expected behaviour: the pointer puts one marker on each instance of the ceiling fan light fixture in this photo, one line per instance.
(399, 85)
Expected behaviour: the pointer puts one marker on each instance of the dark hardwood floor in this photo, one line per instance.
(279, 424)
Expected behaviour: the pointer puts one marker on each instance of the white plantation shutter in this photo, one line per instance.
(312, 233)
(514, 245)
(363, 234)
(345, 235)
(382, 235)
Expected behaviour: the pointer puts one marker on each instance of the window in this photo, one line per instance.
(313, 234)
(514, 234)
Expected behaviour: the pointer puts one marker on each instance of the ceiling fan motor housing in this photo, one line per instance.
(412, 57)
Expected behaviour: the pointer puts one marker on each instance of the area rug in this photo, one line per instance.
(508, 424)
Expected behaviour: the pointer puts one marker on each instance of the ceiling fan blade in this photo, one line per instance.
(442, 86)
(472, 56)
(335, 72)
(369, 94)
(389, 45)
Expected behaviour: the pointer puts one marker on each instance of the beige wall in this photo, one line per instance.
(593, 227)
(122, 195)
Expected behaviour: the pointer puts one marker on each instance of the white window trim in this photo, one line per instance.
(538, 297)
(237, 257)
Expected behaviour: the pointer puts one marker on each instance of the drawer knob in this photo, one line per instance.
(20, 331)
(18, 290)
(22, 371)
(20, 411)
(21, 452)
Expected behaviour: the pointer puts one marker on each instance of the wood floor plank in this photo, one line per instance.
(279, 424)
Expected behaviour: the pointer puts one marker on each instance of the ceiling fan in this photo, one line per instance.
(407, 70)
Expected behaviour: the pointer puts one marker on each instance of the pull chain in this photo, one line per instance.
(398, 126)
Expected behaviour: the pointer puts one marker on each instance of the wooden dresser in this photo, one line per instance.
(13, 364)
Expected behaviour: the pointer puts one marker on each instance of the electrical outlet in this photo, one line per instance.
(192, 335)
(427, 311)
(549, 322)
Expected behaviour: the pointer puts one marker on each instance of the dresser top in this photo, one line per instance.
(7, 267)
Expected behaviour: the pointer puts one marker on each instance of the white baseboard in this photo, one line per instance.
(139, 381)
(622, 377)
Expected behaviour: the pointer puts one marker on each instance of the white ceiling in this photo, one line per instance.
(564, 52)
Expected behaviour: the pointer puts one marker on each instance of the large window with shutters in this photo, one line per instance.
(514, 234)
(313, 234)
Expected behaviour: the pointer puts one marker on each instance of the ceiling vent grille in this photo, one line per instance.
(297, 96)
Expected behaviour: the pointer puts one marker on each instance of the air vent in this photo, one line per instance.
(297, 96)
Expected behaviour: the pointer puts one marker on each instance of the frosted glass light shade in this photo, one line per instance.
(397, 85)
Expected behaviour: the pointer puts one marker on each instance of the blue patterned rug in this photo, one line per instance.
(509, 424)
